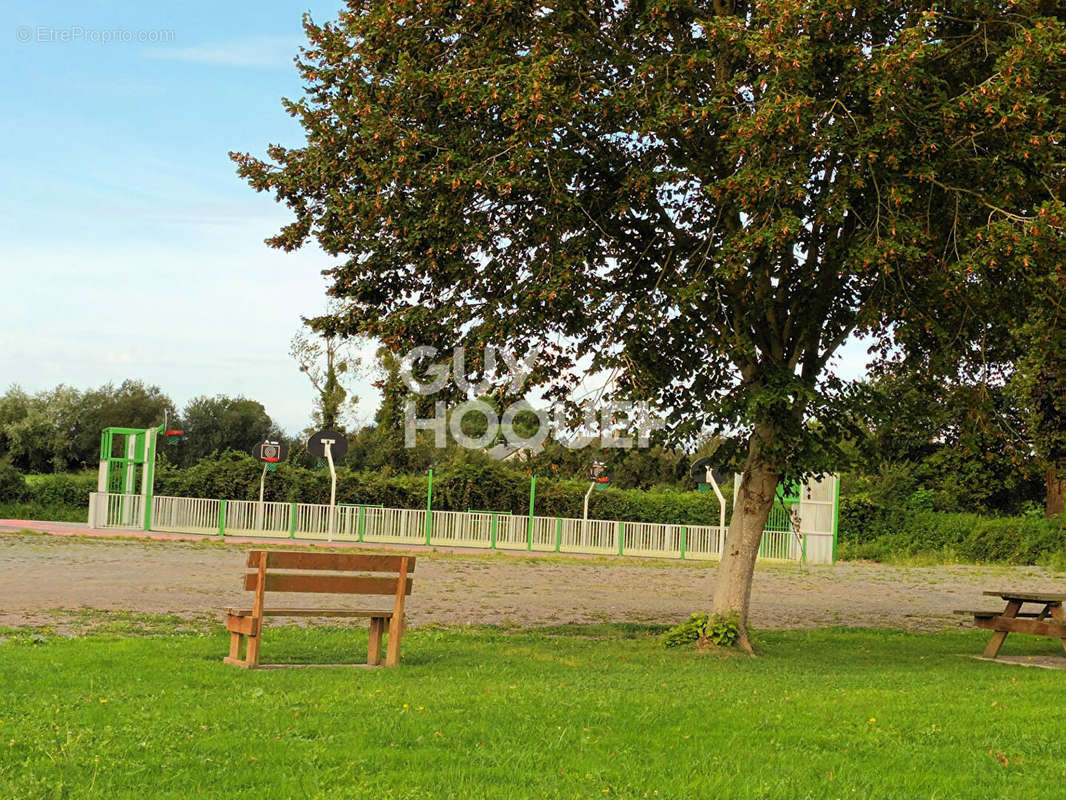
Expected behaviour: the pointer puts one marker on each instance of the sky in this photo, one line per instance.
(130, 248)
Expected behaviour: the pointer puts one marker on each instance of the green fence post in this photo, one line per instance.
(362, 521)
(803, 552)
(836, 517)
(222, 518)
(429, 508)
(149, 480)
(621, 536)
(529, 527)
(684, 540)
(292, 520)
(492, 531)
(558, 534)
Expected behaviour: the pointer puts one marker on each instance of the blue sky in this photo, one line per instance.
(130, 247)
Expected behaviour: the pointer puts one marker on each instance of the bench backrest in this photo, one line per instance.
(330, 573)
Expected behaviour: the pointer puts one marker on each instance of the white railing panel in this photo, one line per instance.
(252, 518)
(395, 525)
(121, 510)
(185, 514)
(704, 541)
(653, 539)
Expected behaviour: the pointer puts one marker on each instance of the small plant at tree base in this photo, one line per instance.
(720, 630)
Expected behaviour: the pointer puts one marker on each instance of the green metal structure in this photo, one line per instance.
(127, 468)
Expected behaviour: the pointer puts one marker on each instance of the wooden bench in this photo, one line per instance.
(1048, 621)
(329, 573)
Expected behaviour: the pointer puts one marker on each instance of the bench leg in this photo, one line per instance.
(235, 646)
(392, 655)
(243, 631)
(373, 650)
(1058, 616)
(251, 657)
(996, 642)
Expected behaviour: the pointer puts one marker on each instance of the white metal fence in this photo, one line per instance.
(492, 530)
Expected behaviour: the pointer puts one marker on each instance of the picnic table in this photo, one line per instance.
(1047, 620)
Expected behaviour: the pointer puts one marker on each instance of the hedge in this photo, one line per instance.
(469, 484)
(870, 531)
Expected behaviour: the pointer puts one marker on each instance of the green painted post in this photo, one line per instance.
(362, 521)
(803, 552)
(149, 480)
(836, 517)
(222, 518)
(558, 534)
(292, 520)
(492, 531)
(684, 540)
(429, 509)
(621, 536)
(529, 527)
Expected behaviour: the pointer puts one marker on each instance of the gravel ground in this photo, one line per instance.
(48, 579)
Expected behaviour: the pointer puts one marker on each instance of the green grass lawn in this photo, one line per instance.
(575, 712)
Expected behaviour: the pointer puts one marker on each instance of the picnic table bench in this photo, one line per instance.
(1047, 621)
(332, 573)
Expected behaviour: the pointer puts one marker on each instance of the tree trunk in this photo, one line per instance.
(755, 498)
(1055, 502)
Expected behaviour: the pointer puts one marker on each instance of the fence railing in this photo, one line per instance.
(491, 530)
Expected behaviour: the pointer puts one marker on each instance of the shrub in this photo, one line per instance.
(868, 531)
(703, 630)
(12, 484)
(61, 489)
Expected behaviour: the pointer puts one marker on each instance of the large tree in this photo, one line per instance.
(705, 197)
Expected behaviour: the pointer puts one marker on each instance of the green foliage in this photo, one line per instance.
(869, 531)
(61, 489)
(700, 630)
(12, 484)
(949, 444)
(59, 430)
(39, 511)
(215, 424)
(470, 480)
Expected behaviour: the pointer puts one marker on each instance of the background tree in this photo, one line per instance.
(328, 361)
(955, 442)
(707, 198)
(59, 429)
(132, 404)
(220, 423)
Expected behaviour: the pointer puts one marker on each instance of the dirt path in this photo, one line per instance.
(46, 579)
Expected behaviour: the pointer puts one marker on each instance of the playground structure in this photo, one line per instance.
(132, 473)
(802, 525)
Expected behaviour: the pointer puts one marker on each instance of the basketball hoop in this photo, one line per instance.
(598, 475)
(173, 436)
